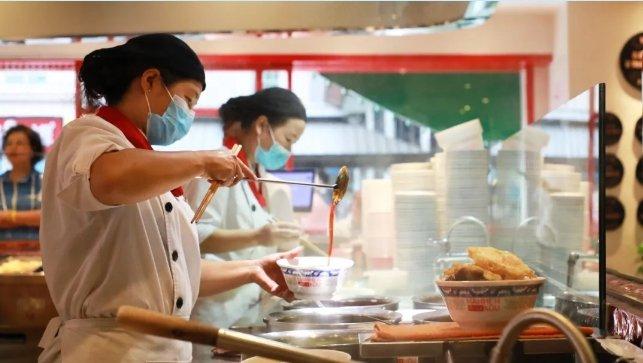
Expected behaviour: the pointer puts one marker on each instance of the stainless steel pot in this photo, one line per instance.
(342, 340)
(441, 315)
(359, 302)
(329, 318)
(429, 301)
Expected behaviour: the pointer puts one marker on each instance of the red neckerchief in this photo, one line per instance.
(229, 142)
(131, 132)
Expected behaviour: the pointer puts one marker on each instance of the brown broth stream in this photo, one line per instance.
(331, 230)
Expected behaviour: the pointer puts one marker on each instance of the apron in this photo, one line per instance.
(76, 340)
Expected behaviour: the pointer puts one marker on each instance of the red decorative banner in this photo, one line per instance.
(47, 127)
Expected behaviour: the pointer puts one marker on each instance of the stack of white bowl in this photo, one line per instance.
(517, 194)
(560, 178)
(415, 225)
(378, 230)
(567, 217)
(466, 194)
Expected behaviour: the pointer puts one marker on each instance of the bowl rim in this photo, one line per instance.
(343, 263)
(528, 282)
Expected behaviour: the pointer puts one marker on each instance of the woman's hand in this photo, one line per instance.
(268, 275)
(225, 168)
(279, 232)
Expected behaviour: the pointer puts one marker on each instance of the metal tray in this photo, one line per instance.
(343, 340)
(359, 302)
(329, 318)
(461, 348)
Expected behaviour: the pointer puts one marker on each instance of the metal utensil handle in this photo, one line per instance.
(470, 219)
(173, 327)
(527, 222)
(278, 181)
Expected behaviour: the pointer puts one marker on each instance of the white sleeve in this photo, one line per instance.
(213, 215)
(80, 146)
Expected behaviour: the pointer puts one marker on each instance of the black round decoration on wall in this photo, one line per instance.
(613, 129)
(638, 130)
(614, 213)
(639, 171)
(639, 213)
(630, 61)
(613, 171)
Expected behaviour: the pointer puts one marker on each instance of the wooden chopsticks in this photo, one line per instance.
(210, 193)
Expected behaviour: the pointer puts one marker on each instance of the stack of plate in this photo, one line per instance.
(466, 194)
(517, 192)
(415, 225)
(410, 180)
(439, 183)
(566, 215)
(410, 166)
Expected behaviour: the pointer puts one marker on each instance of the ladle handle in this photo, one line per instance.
(173, 327)
(278, 181)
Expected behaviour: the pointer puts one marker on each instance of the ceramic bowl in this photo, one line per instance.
(314, 278)
(488, 304)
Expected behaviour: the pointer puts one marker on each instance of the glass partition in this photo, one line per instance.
(533, 193)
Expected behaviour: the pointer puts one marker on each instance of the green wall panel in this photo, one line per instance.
(445, 99)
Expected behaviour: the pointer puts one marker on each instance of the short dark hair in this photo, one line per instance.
(277, 104)
(108, 72)
(34, 141)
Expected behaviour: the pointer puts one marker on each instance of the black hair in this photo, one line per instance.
(108, 72)
(277, 104)
(34, 141)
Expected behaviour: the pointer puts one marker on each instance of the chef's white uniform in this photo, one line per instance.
(97, 257)
(231, 208)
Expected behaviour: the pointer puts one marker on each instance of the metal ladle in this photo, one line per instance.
(341, 184)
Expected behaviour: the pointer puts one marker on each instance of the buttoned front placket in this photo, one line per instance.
(182, 299)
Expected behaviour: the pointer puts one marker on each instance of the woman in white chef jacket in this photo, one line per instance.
(115, 227)
(236, 225)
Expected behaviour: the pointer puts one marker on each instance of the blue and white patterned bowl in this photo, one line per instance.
(488, 304)
(313, 278)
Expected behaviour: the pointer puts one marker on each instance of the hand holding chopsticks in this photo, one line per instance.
(240, 172)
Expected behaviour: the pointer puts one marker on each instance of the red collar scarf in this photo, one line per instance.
(256, 189)
(131, 132)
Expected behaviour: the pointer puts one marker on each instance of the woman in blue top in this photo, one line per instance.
(20, 191)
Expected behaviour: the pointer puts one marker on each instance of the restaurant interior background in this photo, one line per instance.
(374, 101)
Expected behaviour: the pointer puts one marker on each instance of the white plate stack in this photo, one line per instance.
(412, 177)
(439, 183)
(517, 193)
(466, 194)
(378, 230)
(415, 225)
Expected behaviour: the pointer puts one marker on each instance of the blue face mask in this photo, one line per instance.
(275, 157)
(173, 125)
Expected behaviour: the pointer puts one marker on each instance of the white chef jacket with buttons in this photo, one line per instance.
(98, 257)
